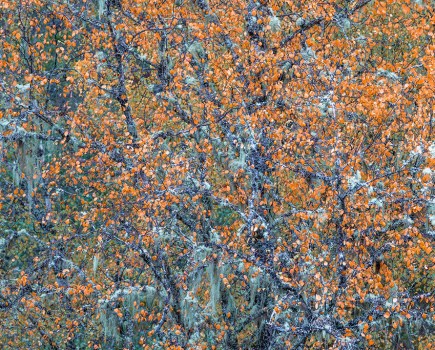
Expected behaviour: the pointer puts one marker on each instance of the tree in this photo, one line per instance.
(204, 174)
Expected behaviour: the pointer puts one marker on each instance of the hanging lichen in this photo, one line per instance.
(215, 283)
(189, 308)
(127, 302)
(110, 319)
(29, 150)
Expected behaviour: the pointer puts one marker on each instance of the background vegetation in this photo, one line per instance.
(204, 174)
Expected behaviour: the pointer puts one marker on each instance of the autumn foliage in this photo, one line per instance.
(201, 174)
